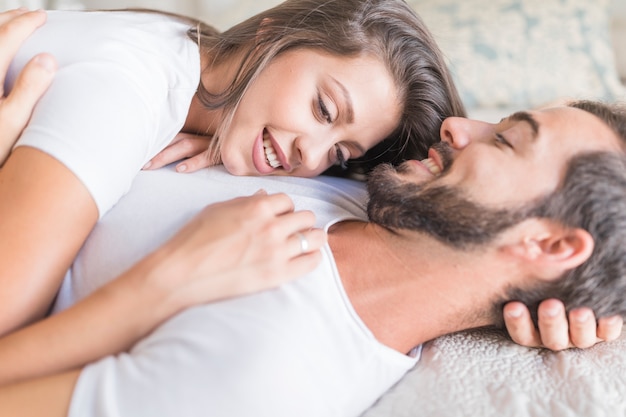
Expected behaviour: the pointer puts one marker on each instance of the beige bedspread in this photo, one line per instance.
(481, 373)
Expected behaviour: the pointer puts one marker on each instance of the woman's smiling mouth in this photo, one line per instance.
(270, 153)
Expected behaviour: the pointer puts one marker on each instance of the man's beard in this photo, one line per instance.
(440, 211)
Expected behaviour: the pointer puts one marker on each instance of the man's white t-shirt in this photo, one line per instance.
(121, 93)
(298, 350)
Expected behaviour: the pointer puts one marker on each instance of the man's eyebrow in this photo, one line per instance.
(524, 116)
(349, 114)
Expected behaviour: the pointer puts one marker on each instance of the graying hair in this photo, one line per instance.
(592, 197)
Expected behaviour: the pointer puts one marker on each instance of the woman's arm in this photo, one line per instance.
(46, 214)
(235, 247)
(56, 184)
(48, 396)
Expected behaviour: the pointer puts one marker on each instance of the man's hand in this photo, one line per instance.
(557, 331)
(16, 108)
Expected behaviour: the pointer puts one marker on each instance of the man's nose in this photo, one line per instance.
(458, 131)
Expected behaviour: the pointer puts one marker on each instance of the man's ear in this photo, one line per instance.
(549, 248)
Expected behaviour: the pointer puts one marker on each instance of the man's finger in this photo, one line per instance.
(610, 328)
(553, 325)
(520, 326)
(9, 15)
(582, 328)
(30, 85)
(12, 34)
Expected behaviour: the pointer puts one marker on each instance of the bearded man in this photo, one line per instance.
(529, 208)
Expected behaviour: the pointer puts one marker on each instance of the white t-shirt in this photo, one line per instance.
(299, 350)
(122, 92)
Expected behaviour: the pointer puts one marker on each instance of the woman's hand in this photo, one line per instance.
(557, 331)
(192, 149)
(237, 247)
(16, 108)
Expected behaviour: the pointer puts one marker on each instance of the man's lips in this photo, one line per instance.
(432, 164)
(436, 160)
(432, 167)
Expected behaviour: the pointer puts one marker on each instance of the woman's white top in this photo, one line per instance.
(122, 92)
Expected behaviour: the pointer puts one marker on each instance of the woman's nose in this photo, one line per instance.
(460, 132)
(312, 153)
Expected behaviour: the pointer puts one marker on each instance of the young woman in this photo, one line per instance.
(212, 258)
(291, 91)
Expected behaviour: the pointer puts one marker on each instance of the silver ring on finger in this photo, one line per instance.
(304, 243)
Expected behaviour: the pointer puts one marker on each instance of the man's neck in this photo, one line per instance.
(409, 291)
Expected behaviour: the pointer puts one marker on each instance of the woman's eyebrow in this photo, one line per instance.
(349, 113)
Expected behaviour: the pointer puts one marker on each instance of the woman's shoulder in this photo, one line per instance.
(144, 47)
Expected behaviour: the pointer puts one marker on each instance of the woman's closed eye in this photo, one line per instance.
(342, 159)
(322, 109)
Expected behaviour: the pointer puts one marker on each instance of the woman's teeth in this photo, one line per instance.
(270, 154)
(432, 166)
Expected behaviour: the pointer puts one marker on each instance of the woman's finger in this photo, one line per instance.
(306, 241)
(195, 163)
(183, 146)
(297, 221)
(300, 266)
(272, 204)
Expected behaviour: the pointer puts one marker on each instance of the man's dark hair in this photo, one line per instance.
(592, 197)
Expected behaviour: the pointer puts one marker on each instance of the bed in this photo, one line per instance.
(482, 373)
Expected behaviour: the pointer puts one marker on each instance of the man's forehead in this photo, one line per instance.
(570, 127)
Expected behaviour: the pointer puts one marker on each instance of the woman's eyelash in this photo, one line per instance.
(323, 109)
(341, 159)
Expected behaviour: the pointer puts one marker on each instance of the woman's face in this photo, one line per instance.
(309, 110)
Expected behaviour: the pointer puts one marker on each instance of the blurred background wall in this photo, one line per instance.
(220, 13)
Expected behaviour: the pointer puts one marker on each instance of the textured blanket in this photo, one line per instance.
(482, 373)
